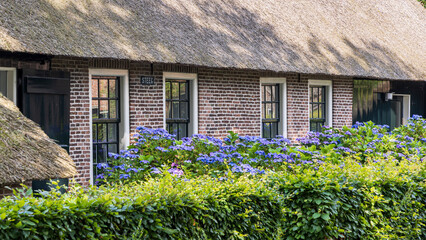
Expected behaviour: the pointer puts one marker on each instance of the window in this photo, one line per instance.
(8, 83)
(177, 107)
(270, 110)
(180, 104)
(319, 104)
(273, 107)
(109, 108)
(105, 117)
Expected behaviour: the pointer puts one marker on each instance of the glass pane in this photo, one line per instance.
(113, 109)
(103, 88)
(311, 98)
(175, 111)
(168, 110)
(95, 109)
(269, 110)
(103, 113)
(274, 110)
(184, 110)
(112, 148)
(102, 153)
(112, 132)
(315, 110)
(183, 89)
(274, 130)
(173, 129)
(320, 94)
(268, 93)
(175, 90)
(3, 83)
(315, 94)
(168, 92)
(102, 133)
(273, 93)
(113, 88)
(182, 130)
(320, 111)
(94, 88)
(263, 110)
(266, 130)
(94, 135)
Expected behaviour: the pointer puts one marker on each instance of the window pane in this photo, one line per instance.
(94, 135)
(320, 94)
(315, 111)
(102, 153)
(113, 88)
(112, 132)
(94, 88)
(274, 110)
(173, 129)
(182, 130)
(103, 88)
(175, 111)
(320, 111)
(3, 83)
(273, 93)
(268, 93)
(315, 92)
(102, 133)
(168, 91)
(274, 130)
(95, 109)
(267, 130)
(175, 90)
(113, 109)
(183, 93)
(184, 110)
(269, 110)
(168, 110)
(112, 148)
(103, 109)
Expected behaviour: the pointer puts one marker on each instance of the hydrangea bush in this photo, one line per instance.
(155, 151)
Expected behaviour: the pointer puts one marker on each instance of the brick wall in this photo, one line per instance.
(342, 102)
(229, 99)
(80, 145)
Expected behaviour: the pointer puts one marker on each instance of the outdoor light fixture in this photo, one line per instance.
(388, 96)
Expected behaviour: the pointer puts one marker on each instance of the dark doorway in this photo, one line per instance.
(45, 99)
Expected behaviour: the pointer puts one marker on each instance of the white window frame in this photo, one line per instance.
(124, 108)
(193, 98)
(282, 126)
(329, 99)
(406, 102)
(11, 80)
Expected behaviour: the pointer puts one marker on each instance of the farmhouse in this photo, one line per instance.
(90, 72)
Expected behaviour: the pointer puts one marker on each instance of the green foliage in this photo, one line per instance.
(384, 200)
(423, 2)
(169, 208)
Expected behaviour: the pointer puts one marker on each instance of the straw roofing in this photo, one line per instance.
(384, 39)
(26, 152)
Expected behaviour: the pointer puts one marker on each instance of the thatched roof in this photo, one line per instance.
(376, 38)
(26, 152)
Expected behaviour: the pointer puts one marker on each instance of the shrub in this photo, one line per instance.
(167, 208)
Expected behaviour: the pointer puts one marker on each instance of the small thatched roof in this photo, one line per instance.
(26, 152)
(370, 38)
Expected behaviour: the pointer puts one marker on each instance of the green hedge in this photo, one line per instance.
(383, 200)
(169, 208)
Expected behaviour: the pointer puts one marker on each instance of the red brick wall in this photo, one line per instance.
(342, 101)
(229, 100)
(80, 145)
